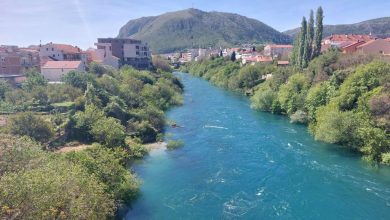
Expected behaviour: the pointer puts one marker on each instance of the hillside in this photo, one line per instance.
(195, 28)
(378, 27)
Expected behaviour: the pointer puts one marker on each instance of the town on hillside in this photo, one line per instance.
(54, 60)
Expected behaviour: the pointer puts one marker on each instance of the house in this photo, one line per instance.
(15, 60)
(9, 62)
(53, 71)
(377, 46)
(283, 63)
(124, 51)
(61, 52)
(29, 58)
(351, 47)
(256, 59)
(347, 43)
(337, 39)
(277, 51)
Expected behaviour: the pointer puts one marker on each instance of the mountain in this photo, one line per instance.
(379, 27)
(195, 28)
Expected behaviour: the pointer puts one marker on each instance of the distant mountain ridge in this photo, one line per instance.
(379, 27)
(179, 30)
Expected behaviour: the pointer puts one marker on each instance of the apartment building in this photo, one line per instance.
(124, 51)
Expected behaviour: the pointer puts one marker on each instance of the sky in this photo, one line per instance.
(80, 22)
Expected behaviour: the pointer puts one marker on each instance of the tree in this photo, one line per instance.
(106, 165)
(310, 36)
(34, 79)
(318, 32)
(29, 124)
(57, 190)
(302, 43)
(336, 127)
(160, 63)
(292, 94)
(264, 99)
(91, 96)
(78, 79)
(220, 53)
(233, 56)
(109, 132)
(4, 88)
(97, 69)
(19, 154)
(294, 58)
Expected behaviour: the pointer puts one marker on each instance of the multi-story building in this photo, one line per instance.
(61, 52)
(29, 58)
(277, 51)
(9, 61)
(124, 51)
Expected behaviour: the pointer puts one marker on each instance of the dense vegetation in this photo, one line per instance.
(378, 27)
(195, 28)
(111, 112)
(344, 99)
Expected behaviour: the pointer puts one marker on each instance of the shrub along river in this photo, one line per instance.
(241, 164)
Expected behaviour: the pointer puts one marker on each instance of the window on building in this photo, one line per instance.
(47, 49)
(137, 53)
(62, 69)
(137, 47)
(110, 48)
(52, 49)
(54, 55)
(145, 53)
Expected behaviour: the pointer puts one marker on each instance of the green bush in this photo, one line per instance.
(108, 131)
(29, 124)
(174, 144)
(108, 168)
(299, 117)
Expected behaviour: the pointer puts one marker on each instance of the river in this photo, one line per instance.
(238, 163)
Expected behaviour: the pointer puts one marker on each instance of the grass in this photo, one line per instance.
(63, 104)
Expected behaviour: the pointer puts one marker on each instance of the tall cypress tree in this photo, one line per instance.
(310, 35)
(318, 32)
(302, 43)
(233, 56)
(294, 58)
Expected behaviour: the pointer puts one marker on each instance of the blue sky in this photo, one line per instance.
(80, 22)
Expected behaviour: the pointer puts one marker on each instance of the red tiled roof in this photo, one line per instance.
(367, 43)
(350, 37)
(282, 62)
(354, 44)
(65, 48)
(259, 59)
(61, 65)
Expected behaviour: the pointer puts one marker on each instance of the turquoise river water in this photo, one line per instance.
(241, 164)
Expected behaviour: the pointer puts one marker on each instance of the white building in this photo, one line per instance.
(61, 52)
(278, 51)
(53, 71)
